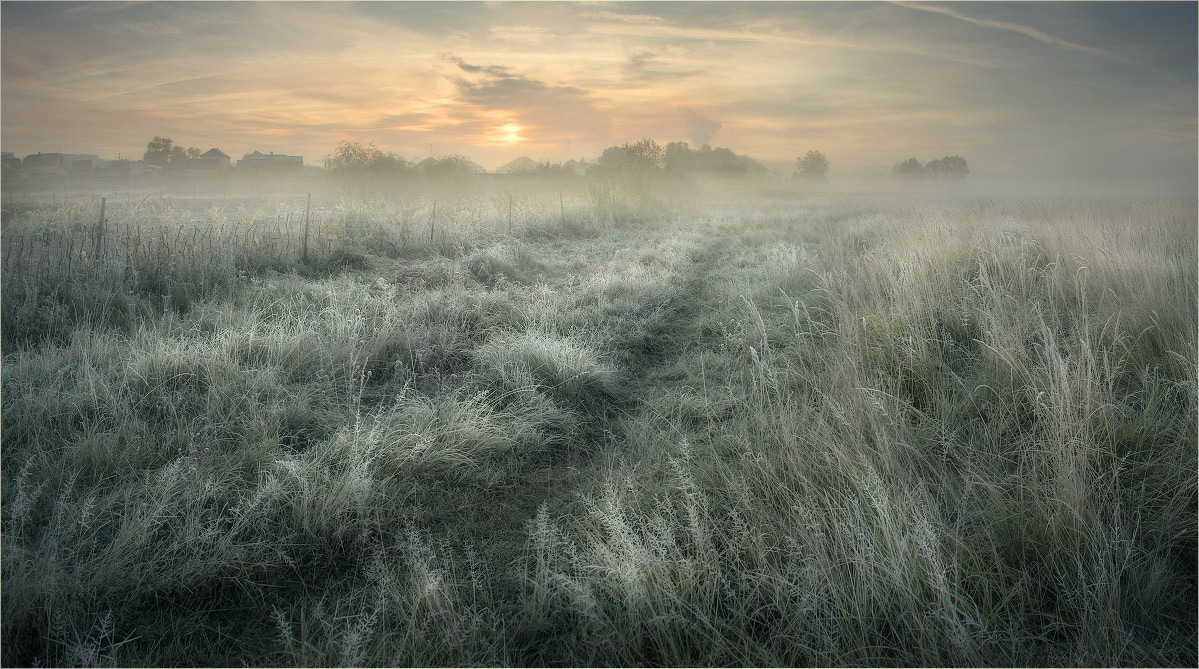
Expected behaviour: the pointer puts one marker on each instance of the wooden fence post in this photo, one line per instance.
(432, 221)
(100, 228)
(307, 207)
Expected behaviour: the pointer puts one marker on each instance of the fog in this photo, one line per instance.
(598, 334)
(1039, 97)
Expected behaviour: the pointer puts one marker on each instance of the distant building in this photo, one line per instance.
(83, 161)
(212, 161)
(45, 164)
(274, 163)
(521, 164)
(128, 168)
(575, 167)
(223, 162)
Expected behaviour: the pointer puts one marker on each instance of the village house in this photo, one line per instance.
(274, 163)
(45, 164)
(213, 160)
(82, 163)
(129, 168)
(575, 167)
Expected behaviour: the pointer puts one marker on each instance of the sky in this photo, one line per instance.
(1103, 91)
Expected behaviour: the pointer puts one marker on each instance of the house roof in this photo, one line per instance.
(521, 163)
(258, 155)
(43, 160)
(214, 153)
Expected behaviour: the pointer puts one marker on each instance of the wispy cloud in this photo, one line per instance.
(621, 17)
(528, 34)
(499, 94)
(779, 38)
(1039, 35)
(652, 65)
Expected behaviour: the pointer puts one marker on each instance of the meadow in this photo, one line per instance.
(599, 424)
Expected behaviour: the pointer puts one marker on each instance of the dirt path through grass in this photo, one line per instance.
(490, 522)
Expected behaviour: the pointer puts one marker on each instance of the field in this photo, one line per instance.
(620, 425)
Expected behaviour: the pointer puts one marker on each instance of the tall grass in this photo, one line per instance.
(783, 433)
(965, 442)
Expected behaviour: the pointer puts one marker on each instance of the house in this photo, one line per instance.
(575, 167)
(521, 164)
(223, 162)
(83, 162)
(45, 164)
(275, 163)
(212, 161)
(128, 168)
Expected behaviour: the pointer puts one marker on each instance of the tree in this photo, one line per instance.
(645, 155)
(813, 165)
(361, 157)
(446, 166)
(949, 167)
(161, 151)
(954, 167)
(158, 151)
(352, 157)
(614, 158)
(678, 157)
(544, 168)
(908, 169)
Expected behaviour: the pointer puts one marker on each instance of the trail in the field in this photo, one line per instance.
(646, 341)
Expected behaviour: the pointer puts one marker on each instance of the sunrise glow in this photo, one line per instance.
(510, 133)
(1009, 85)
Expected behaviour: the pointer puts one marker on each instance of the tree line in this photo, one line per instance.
(642, 156)
(363, 158)
(949, 167)
(677, 158)
(162, 151)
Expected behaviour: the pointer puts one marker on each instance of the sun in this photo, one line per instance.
(509, 133)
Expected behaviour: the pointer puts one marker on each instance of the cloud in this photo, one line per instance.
(499, 87)
(1039, 35)
(527, 34)
(866, 83)
(700, 130)
(653, 65)
(493, 70)
(776, 37)
(619, 17)
(498, 93)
